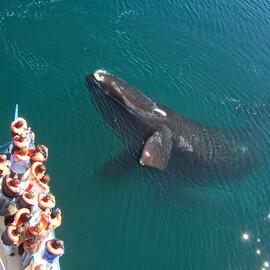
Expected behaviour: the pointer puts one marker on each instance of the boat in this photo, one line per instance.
(14, 262)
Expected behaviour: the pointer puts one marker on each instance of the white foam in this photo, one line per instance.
(98, 75)
(266, 264)
(258, 252)
(245, 236)
(160, 111)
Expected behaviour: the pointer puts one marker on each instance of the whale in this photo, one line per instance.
(156, 135)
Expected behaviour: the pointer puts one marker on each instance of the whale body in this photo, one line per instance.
(156, 134)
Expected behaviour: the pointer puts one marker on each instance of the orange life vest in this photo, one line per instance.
(55, 251)
(24, 202)
(45, 205)
(33, 171)
(18, 215)
(18, 131)
(14, 238)
(8, 190)
(41, 227)
(38, 157)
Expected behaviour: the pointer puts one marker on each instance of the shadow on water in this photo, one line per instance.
(185, 185)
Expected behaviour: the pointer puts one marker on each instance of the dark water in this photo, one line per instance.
(208, 60)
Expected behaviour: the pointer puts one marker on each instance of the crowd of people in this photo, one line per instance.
(26, 202)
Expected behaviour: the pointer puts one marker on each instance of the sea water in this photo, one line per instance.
(207, 60)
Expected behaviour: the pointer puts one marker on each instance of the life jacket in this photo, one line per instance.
(33, 173)
(44, 187)
(38, 157)
(32, 230)
(18, 131)
(50, 253)
(45, 205)
(18, 214)
(41, 228)
(24, 202)
(10, 237)
(44, 221)
(8, 190)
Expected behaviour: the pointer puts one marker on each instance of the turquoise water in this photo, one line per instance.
(208, 60)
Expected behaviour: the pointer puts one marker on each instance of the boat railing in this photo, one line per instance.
(2, 266)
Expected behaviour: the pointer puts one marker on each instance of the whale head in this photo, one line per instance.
(117, 90)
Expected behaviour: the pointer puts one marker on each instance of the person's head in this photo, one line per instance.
(39, 148)
(45, 179)
(47, 197)
(25, 217)
(23, 151)
(41, 168)
(56, 243)
(3, 158)
(30, 195)
(19, 124)
(14, 182)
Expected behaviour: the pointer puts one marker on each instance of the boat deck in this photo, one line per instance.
(14, 262)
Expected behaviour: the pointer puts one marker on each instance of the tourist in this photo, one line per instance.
(40, 225)
(40, 185)
(32, 245)
(19, 162)
(10, 191)
(46, 201)
(27, 200)
(53, 249)
(11, 238)
(37, 171)
(19, 219)
(20, 141)
(18, 126)
(39, 154)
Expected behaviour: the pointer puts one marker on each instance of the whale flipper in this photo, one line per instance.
(157, 149)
